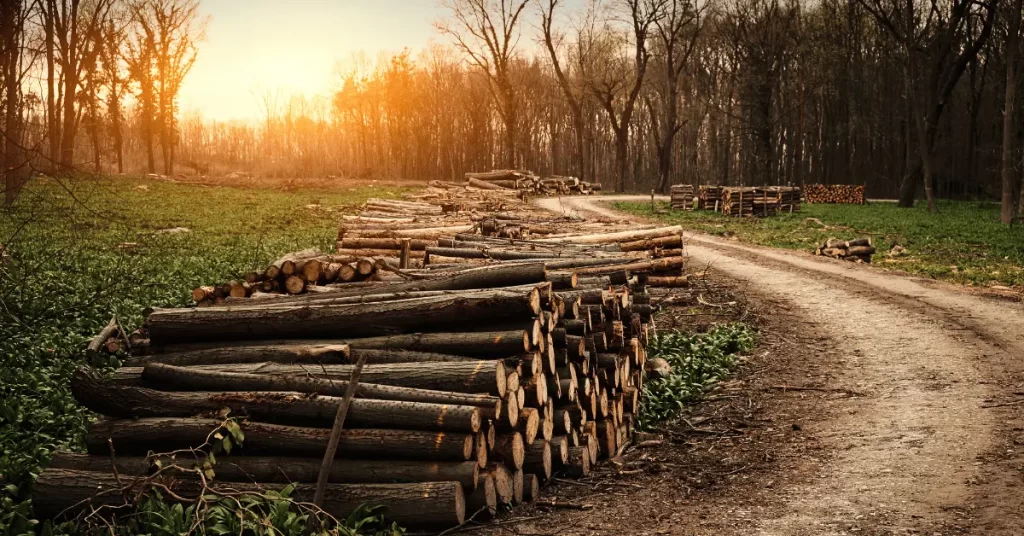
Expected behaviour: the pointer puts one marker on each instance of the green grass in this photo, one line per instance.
(698, 361)
(964, 242)
(84, 251)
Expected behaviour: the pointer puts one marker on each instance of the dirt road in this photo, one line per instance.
(918, 427)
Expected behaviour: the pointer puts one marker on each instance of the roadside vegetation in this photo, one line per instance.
(78, 253)
(698, 361)
(964, 242)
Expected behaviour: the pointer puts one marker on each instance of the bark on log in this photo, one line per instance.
(621, 236)
(538, 459)
(137, 436)
(484, 185)
(509, 448)
(489, 344)
(335, 352)
(483, 498)
(437, 504)
(531, 487)
(112, 399)
(282, 469)
(190, 379)
(182, 325)
(460, 376)
(656, 265)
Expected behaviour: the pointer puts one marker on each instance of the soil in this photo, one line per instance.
(875, 404)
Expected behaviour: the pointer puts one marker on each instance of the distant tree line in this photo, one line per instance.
(908, 97)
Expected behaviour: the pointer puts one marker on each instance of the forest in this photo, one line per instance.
(910, 98)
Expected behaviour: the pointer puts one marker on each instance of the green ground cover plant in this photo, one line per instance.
(79, 252)
(698, 361)
(964, 242)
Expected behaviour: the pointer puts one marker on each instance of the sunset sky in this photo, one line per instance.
(257, 45)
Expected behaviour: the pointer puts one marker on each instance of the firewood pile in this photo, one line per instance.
(528, 183)
(489, 364)
(682, 196)
(709, 197)
(846, 194)
(788, 197)
(857, 250)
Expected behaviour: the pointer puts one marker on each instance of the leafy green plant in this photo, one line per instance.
(83, 250)
(698, 361)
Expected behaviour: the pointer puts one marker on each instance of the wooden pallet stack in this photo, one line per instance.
(857, 250)
(788, 198)
(846, 194)
(491, 365)
(709, 197)
(682, 197)
(747, 201)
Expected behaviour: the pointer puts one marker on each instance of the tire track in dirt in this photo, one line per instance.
(915, 450)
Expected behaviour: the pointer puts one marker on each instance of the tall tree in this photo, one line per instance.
(571, 90)
(1007, 164)
(937, 51)
(13, 160)
(487, 31)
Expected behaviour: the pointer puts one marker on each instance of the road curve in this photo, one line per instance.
(934, 441)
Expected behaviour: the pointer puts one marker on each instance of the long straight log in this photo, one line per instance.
(191, 379)
(110, 398)
(182, 325)
(656, 265)
(459, 376)
(284, 469)
(67, 491)
(336, 352)
(621, 236)
(490, 344)
(137, 436)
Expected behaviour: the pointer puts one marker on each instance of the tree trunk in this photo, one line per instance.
(1007, 172)
(366, 320)
(439, 504)
(283, 469)
(137, 437)
(113, 398)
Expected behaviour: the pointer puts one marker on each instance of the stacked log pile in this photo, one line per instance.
(294, 273)
(528, 183)
(788, 197)
(682, 196)
(491, 365)
(857, 250)
(709, 197)
(847, 194)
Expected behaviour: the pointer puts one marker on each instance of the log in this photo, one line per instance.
(458, 376)
(620, 236)
(385, 243)
(183, 325)
(578, 465)
(484, 185)
(668, 281)
(116, 400)
(137, 436)
(531, 487)
(483, 499)
(59, 492)
(489, 344)
(509, 448)
(502, 481)
(655, 265)
(538, 459)
(282, 469)
(333, 352)
(673, 241)
(107, 332)
(189, 379)
(517, 486)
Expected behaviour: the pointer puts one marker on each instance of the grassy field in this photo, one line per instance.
(963, 243)
(83, 252)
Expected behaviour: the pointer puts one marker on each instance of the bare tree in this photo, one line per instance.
(615, 79)
(937, 53)
(677, 33)
(571, 90)
(487, 31)
(14, 160)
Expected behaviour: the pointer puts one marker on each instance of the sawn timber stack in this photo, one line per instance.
(503, 345)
